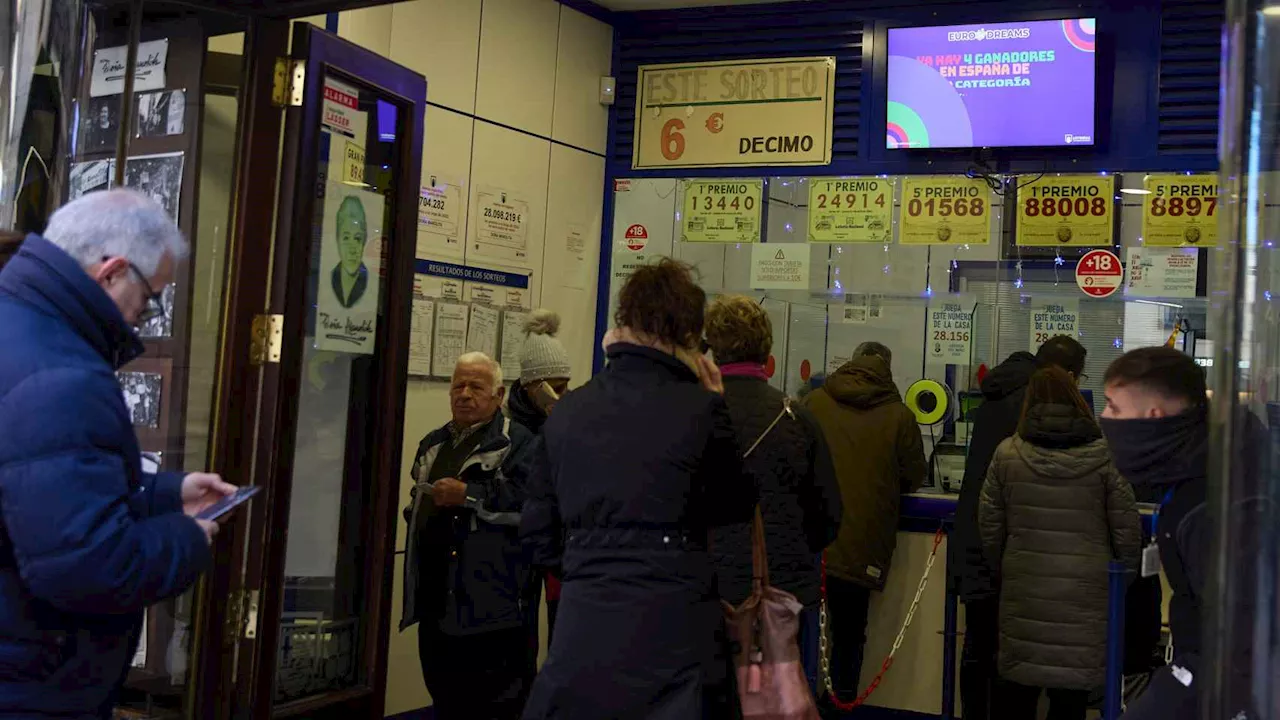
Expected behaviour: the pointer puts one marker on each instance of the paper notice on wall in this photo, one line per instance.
(950, 331)
(424, 315)
(501, 224)
(575, 270)
(512, 342)
(780, 266)
(350, 270)
(482, 332)
(857, 309)
(449, 337)
(347, 126)
(1050, 318)
(1162, 272)
(440, 218)
(109, 68)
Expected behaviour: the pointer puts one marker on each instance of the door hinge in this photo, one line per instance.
(287, 83)
(242, 615)
(267, 337)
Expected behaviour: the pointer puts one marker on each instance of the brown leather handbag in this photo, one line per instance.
(764, 630)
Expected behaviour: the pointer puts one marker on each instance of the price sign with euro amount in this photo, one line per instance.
(726, 211)
(1066, 210)
(850, 210)
(1180, 211)
(945, 211)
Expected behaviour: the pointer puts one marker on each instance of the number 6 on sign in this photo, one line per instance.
(672, 140)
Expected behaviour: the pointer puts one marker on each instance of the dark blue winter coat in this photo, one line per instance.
(87, 540)
(634, 469)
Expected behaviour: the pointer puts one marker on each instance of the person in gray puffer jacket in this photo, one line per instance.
(1054, 512)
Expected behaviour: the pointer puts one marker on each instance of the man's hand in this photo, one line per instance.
(449, 492)
(200, 490)
(210, 529)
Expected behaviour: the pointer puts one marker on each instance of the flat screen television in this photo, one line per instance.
(1014, 84)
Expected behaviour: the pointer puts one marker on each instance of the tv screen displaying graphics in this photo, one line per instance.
(1018, 84)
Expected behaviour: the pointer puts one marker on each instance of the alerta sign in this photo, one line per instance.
(738, 112)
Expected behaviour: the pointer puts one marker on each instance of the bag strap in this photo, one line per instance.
(759, 554)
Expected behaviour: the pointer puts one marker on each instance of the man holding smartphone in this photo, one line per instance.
(88, 539)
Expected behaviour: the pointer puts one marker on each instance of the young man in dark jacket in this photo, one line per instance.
(87, 539)
(879, 456)
(1157, 424)
(465, 571)
(995, 420)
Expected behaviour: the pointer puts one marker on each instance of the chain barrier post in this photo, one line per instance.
(950, 624)
(1118, 578)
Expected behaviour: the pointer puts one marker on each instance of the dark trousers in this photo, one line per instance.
(847, 605)
(485, 676)
(1019, 702)
(978, 672)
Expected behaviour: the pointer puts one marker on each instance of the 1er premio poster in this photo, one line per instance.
(350, 264)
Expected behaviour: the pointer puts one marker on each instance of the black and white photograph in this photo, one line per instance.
(152, 462)
(162, 113)
(86, 177)
(100, 125)
(142, 396)
(160, 326)
(159, 176)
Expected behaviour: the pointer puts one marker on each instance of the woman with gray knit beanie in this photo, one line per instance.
(544, 377)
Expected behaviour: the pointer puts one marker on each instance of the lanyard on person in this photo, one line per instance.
(1151, 553)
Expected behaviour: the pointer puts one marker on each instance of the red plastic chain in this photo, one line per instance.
(849, 705)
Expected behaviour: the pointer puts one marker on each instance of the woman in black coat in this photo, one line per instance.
(636, 468)
(799, 496)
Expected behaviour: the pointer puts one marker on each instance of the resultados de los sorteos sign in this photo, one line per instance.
(736, 112)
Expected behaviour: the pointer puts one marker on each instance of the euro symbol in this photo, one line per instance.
(715, 123)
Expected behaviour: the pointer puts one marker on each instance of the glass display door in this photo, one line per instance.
(318, 560)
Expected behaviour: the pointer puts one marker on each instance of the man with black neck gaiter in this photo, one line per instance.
(1156, 423)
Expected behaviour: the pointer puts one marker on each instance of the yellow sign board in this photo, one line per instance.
(726, 211)
(1180, 211)
(1067, 210)
(850, 210)
(945, 210)
(736, 112)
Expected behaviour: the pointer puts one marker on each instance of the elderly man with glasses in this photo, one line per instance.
(87, 538)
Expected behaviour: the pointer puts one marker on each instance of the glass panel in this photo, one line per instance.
(170, 389)
(320, 638)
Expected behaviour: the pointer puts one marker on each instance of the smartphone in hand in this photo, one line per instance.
(229, 503)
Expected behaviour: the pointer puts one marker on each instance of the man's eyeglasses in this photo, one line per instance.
(155, 300)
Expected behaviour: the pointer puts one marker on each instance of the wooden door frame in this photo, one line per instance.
(276, 430)
(238, 382)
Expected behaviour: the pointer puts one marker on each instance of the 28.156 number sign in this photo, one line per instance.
(945, 210)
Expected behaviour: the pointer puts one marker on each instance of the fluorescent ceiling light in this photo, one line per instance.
(1134, 191)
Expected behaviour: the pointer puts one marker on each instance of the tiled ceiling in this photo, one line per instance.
(629, 5)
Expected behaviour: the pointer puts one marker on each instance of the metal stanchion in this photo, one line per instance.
(1119, 581)
(950, 621)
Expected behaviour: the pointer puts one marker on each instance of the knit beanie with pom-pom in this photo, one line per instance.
(543, 357)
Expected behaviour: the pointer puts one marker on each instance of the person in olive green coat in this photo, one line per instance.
(878, 454)
(1054, 513)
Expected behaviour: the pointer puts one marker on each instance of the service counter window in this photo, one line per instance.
(953, 273)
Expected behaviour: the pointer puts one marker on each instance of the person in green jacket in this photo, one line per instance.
(878, 453)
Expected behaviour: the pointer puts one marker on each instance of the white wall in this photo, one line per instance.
(532, 65)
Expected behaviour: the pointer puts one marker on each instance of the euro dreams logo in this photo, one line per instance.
(983, 34)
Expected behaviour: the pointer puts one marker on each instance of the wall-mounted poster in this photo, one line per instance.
(951, 330)
(850, 210)
(440, 218)
(109, 65)
(87, 177)
(942, 210)
(161, 113)
(1050, 318)
(501, 221)
(347, 125)
(1180, 210)
(159, 176)
(1066, 210)
(350, 269)
(142, 395)
(161, 326)
(100, 125)
(726, 211)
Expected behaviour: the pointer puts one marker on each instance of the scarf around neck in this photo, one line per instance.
(1160, 452)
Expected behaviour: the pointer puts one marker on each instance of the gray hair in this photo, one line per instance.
(479, 358)
(116, 223)
(879, 350)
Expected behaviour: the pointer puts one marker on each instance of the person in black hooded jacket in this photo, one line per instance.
(972, 577)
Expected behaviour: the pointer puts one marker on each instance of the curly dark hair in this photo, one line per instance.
(663, 300)
(739, 330)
